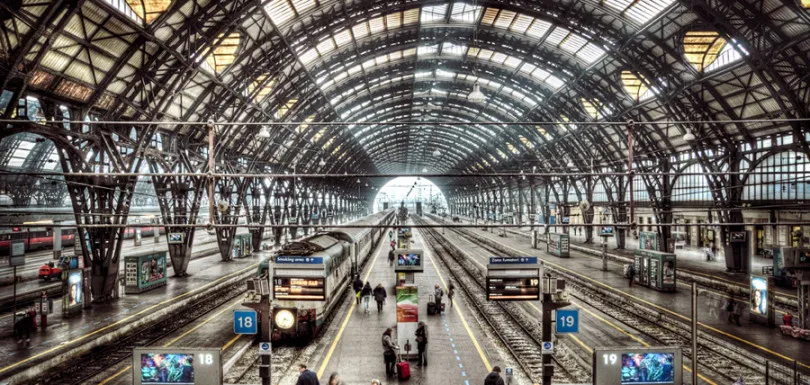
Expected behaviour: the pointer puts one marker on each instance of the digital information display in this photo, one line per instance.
(409, 260)
(299, 288)
(176, 366)
(513, 288)
(175, 238)
(637, 366)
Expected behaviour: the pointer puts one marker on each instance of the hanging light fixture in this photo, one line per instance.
(437, 153)
(476, 95)
(264, 133)
(424, 169)
(689, 136)
(322, 163)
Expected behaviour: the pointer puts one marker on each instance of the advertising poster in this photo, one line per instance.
(158, 369)
(653, 271)
(648, 240)
(759, 296)
(407, 304)
(75, 296)
(153, 269)
(648, 368)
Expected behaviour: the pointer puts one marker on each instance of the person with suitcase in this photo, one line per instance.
(403, 369)
(389, 351)
(438, 293)
(421, 343)
(431, 306)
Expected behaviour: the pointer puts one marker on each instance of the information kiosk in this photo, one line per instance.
(655, 269)
(144, 272)
(558, 244)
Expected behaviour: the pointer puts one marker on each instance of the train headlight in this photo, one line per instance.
(285, 319)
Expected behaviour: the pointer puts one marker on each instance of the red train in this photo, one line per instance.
(41, 238)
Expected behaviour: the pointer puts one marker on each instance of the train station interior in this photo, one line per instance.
(301, 192)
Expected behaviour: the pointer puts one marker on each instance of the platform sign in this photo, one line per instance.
(513, 260)
(245, 321)
(187, 366)
(299, 260)
(515, 288)
(567, 321)
(265, 349)
(627, 366)
(17, 257)
(548, 348)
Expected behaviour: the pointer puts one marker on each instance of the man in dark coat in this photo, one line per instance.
(379, 294)
(494, 378)
(307, 377)
(357, 286)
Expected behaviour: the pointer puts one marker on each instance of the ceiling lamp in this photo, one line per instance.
(322, 163)
(476, 95)
(437, 153)
(424, 169)
(264, 132)
(689, 136)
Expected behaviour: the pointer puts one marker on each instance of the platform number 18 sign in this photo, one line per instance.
(567, 321)
(245, 321)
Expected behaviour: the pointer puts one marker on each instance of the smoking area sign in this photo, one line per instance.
(567, 321)
(245, 321)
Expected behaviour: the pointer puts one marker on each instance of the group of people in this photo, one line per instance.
(364, 292)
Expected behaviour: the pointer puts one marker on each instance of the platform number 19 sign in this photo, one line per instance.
(245, 321)
(567, 321)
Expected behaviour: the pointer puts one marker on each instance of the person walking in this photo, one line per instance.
(334, 379)
(391, 257)
(451, 291)
(494, 377)
(631, 274)
(438, 293)
(366, 294)
(357, 285)
(306, 376)
(393, 245)
(379, 296)
(421, 343)
(389, 351)
(23, 329)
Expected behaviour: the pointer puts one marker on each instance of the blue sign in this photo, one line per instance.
(513, 260)
(245, 321)
(567, 321)
(303, 260)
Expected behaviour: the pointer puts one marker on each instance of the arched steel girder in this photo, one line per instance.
(439, 139)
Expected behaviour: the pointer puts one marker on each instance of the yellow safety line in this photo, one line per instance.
(464, 322)
(170, 343)
(345, 322)
(117, 323)
(662, 308)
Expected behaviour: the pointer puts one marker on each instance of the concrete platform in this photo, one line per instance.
(459, 352)
(751, 336)
(63, 334)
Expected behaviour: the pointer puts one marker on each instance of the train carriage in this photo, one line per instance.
(309, 276)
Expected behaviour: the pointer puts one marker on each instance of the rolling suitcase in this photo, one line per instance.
(431, 306)
(403, 369)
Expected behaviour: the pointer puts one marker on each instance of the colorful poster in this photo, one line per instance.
(74, 289)
(759, 296)
(648, 240)
(407, 304)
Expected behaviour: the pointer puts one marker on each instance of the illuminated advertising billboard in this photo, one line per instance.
(75, 295)
(176, 366)
(759, 296)
(409, 260)
(637, 366)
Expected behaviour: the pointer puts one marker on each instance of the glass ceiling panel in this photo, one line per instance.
(434, 13)
(465, 13)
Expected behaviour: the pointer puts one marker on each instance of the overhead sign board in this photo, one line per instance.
(185, 366)
(629, 366)
(513, 288)
(245, 321)
(567, 321)
(299, 260)
(513, 260)
(299, 288)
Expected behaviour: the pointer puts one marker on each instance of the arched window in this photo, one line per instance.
(149, 10)
(225, 53)
(708, 51)
(637, 86)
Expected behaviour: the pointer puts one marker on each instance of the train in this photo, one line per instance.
(309, 275)
(41, 238)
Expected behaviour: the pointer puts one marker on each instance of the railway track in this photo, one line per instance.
(80, 370)
(519, 331)
(718, 359)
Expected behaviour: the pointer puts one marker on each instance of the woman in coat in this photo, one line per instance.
(379, 296)
(366, 294)
(421, 342)
(389, 351)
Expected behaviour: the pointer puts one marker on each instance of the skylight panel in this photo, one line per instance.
(393, 20)
(465, 13)
(645, 10)
(453, 49)
(395, 55)
(498, 58)
(308, 56)
(512, 148)
(285, 108)
(557, 36)
(376, 25)
(326, 46)
(360, 30)
(224, 54)
(445, 74)
(434, 13)
(512, 62)
(302, 6)
(53, 161)
(505, 19)
(426, 50)
(730, 54)
(521, 24)
(554, 81)
(410, 16)
(343, 37)
(573, 43)
(265, 87)
(280, 11)
(538, 29)
(355, 69)
(526, 142)
(590, 53)
(501, 153)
